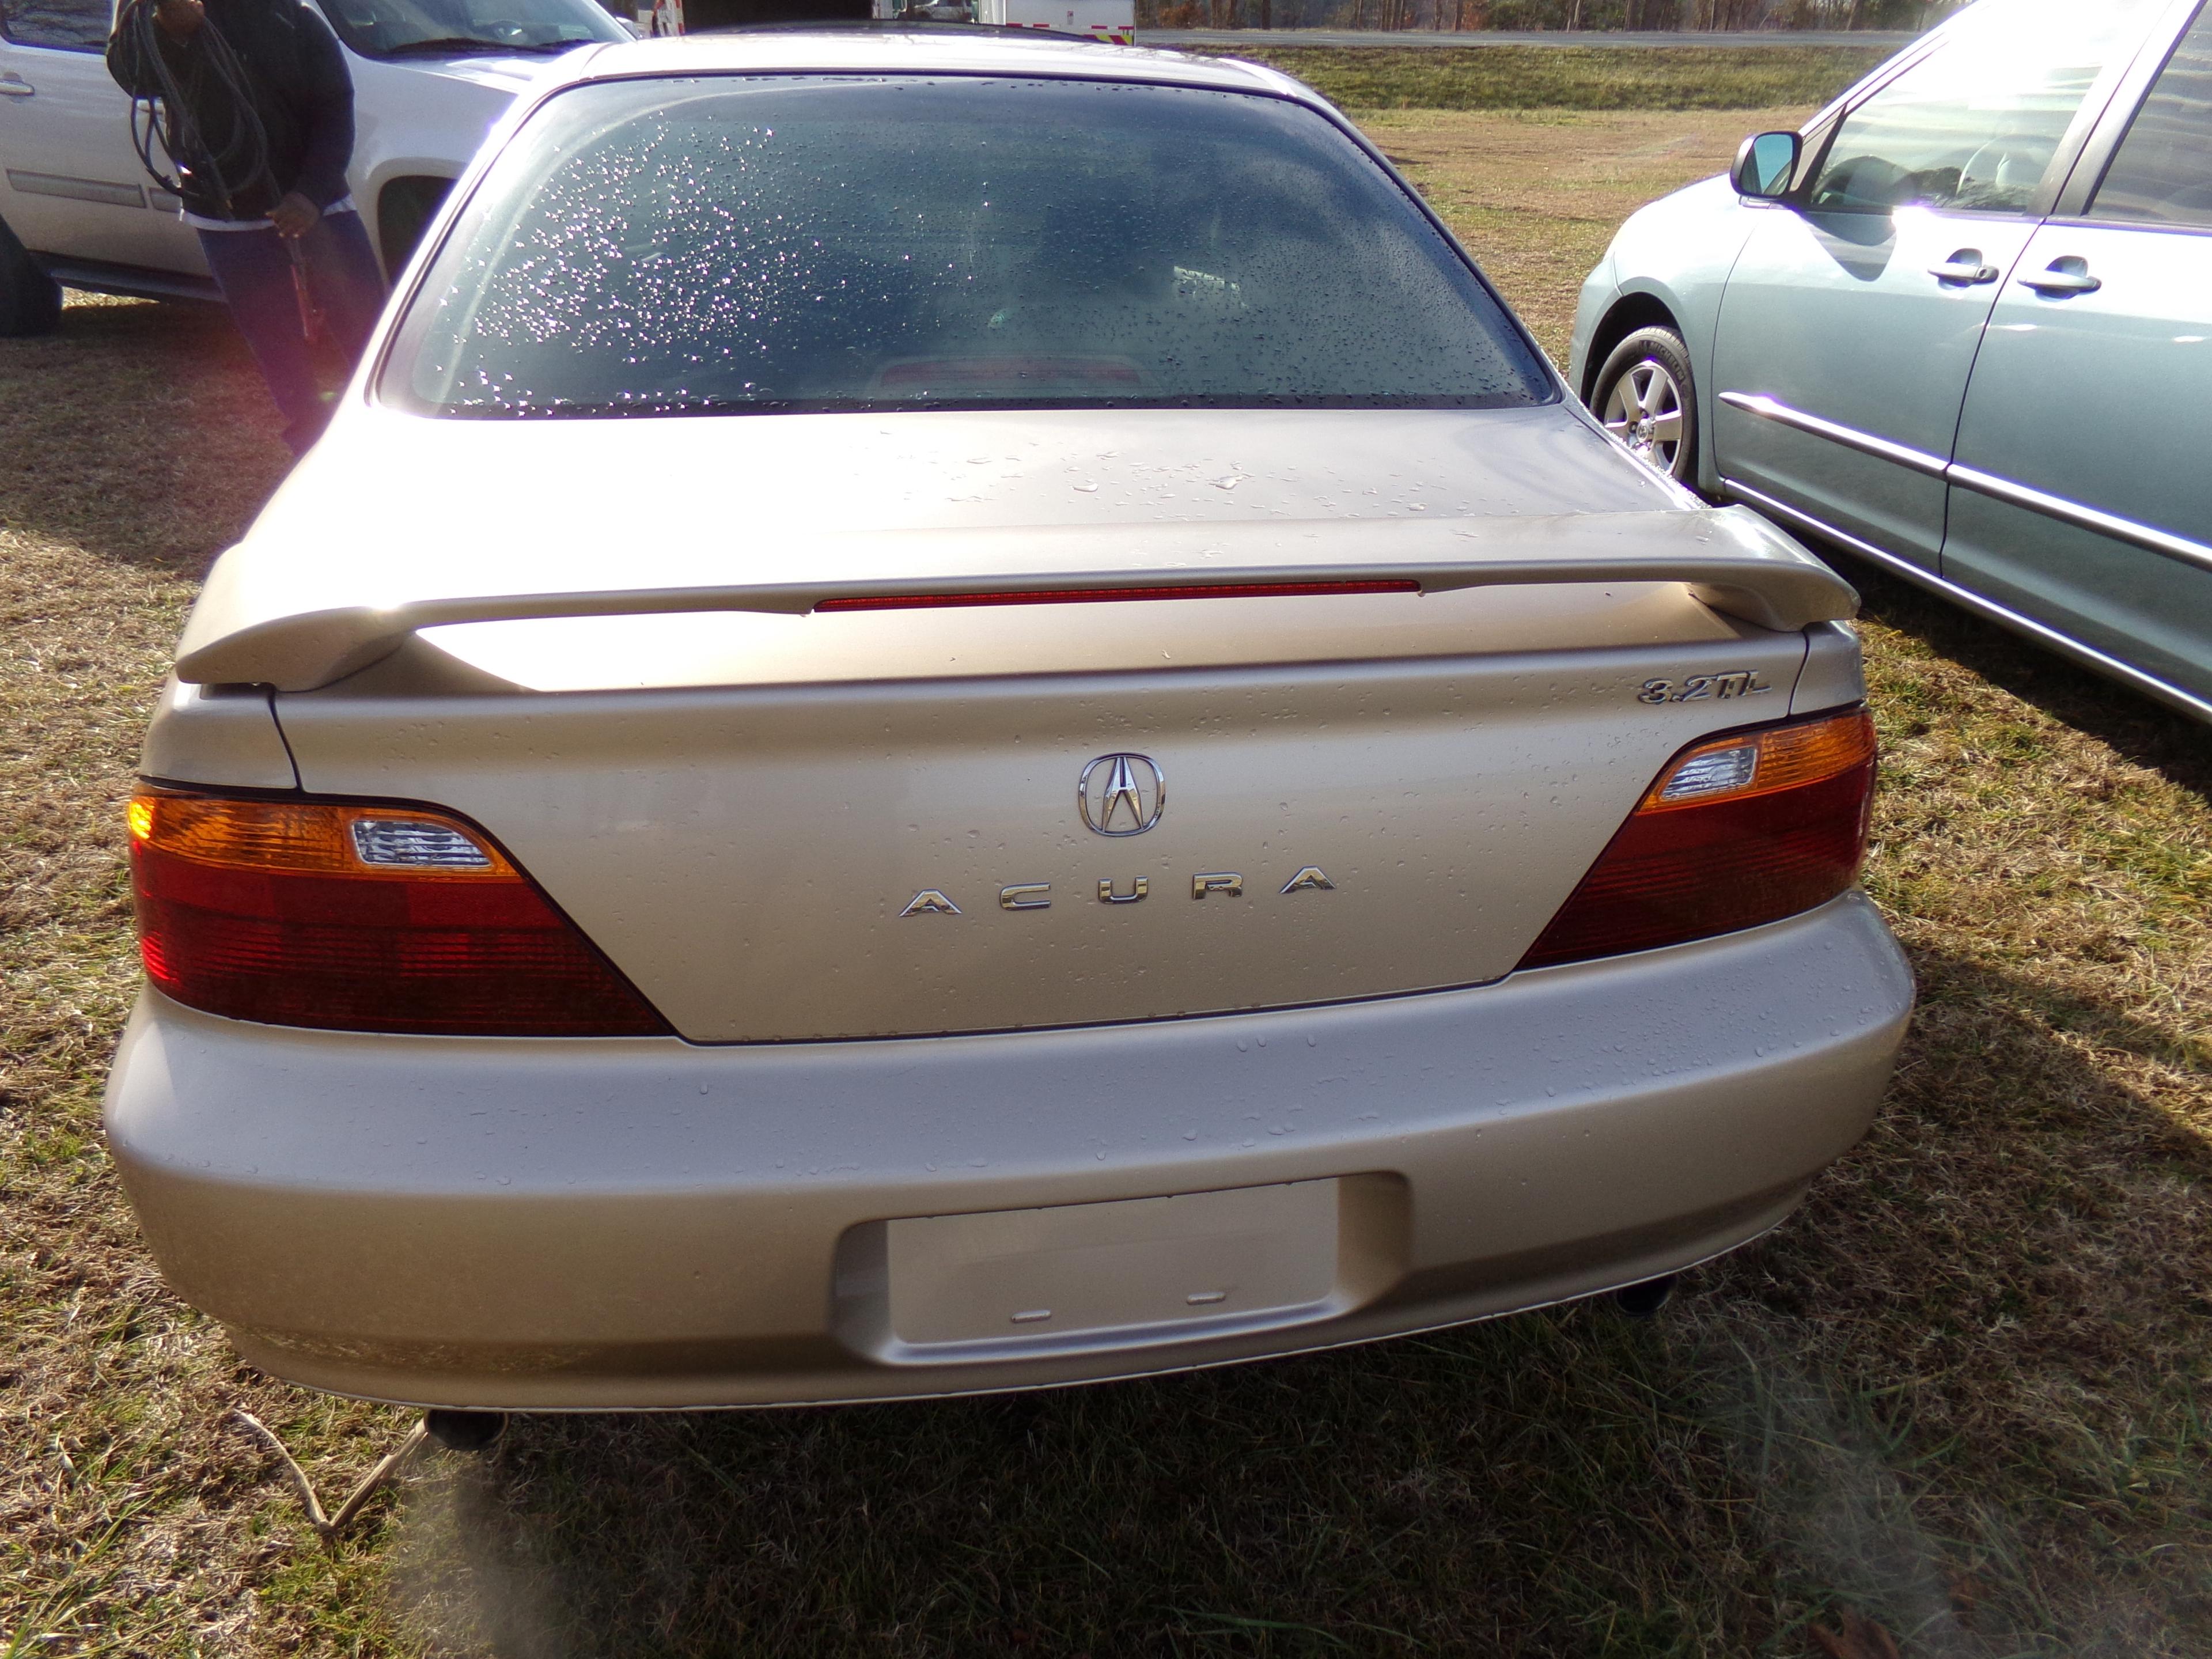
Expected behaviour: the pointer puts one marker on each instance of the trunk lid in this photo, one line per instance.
(789, 826)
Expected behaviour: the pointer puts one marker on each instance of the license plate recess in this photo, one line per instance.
(1125, 1272)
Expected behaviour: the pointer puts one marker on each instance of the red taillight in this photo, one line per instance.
(1735, 831)
(357, 918)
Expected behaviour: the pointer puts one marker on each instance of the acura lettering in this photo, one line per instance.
(1037, 894)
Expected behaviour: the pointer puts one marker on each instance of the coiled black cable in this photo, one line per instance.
(239, 165)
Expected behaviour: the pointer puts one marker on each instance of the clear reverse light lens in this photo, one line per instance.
(1707, 773)
(414, 843)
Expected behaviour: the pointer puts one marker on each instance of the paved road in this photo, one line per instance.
(1887, 40)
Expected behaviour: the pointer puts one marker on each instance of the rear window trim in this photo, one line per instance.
(459, 201)
(703, 411)
(2148, 226)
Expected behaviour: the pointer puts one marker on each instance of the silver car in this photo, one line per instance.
(1960, 325)
(951, 714)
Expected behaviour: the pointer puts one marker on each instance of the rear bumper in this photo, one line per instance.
(550, 1224)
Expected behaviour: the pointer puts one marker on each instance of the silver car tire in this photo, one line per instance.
(30, 300)
(1646, 398)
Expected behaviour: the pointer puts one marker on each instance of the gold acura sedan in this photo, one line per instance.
(953, 712)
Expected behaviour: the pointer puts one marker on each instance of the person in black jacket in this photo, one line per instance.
(257, 118)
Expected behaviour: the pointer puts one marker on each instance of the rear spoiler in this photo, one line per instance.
(280, 616)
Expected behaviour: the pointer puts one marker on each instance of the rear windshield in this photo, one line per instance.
(731, 244)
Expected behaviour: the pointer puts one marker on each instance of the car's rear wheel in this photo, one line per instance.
(1646, 398)
(30, 300)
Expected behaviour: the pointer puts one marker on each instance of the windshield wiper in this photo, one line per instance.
(446, 44)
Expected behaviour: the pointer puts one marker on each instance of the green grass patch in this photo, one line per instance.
(1572, 78)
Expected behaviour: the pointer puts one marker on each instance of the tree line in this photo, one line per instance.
(1569, 15)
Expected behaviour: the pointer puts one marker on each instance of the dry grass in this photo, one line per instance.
(1964, 1390)
(1378, 77)
(1537, 194)
(138, 442)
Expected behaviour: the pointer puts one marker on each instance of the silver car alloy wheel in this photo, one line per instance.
(1644, 410)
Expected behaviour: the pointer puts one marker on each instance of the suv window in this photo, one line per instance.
(782, 243)
(1974, 124)
(454, 28)
(71, 25)
(2162, 175)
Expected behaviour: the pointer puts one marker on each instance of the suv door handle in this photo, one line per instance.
(15, 86)
(2068, 276)
(1965, 266)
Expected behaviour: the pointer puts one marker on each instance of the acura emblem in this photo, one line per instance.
(1121, 794)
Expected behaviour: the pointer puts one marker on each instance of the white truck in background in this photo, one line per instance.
(77, 208)
(1114, 21)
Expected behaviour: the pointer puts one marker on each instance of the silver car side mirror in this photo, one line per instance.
(1766, 166)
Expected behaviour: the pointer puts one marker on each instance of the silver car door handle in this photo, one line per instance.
(1963, 266)
(15, 86)
(2056, 282)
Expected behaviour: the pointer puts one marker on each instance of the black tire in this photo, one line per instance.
(1646, 398)
(30, 300)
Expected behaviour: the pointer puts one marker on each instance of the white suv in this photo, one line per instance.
(429, 77)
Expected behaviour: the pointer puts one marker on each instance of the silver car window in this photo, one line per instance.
(453, 28)
(71, 24)
(2162, 173)
(1975, 124)
(755, 243)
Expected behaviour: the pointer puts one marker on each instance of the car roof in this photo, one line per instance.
(947, 49)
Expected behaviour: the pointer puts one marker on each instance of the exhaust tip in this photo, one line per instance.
(1641, 1301)
(463, 1431)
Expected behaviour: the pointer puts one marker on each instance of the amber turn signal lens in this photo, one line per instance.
(1735, 831)
(368, 842)
(352, 916)
(1758, 763)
